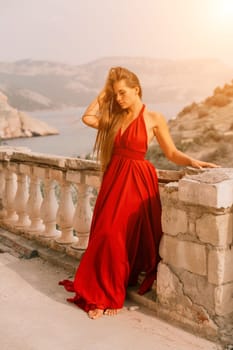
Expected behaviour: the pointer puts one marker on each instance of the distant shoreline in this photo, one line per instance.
(75, 138)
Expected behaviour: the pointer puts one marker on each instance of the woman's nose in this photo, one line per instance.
(118, 97)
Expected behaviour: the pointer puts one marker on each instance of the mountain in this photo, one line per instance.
(14, 123)
(32, 85)
(203, 130)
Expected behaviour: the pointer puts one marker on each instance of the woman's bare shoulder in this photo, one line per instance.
(155, 118)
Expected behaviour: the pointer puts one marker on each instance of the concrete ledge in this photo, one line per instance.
(18, 244)
(29, 249)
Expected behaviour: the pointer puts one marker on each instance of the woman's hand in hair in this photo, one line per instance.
(101, 96)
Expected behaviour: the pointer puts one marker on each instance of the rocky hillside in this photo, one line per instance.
(14, 123)
(203, 130)
(32, 85)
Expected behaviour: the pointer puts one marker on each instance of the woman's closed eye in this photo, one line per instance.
(120, 94)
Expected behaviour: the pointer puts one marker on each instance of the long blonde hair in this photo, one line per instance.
(111, 114)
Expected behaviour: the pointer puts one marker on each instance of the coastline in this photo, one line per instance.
(75, 138)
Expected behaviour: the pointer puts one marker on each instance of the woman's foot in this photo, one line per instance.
(96, 313)
(111, 312)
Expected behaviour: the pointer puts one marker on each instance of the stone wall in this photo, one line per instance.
(195, 276)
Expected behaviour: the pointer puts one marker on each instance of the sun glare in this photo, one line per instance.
(223, 10)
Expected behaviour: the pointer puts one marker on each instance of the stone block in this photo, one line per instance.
(208, 190)
(42, 173)
(57, 175)
(174, 221)
(220, 264)
(215, 229)
(198, 289)
(184, 254)
(169, 287)
(14, 167)
(168, 192)
(25, 169)
(93, 180)
(224, 300)
(73, 176)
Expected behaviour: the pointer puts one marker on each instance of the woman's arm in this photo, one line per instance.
(166, 143)
(91, 114)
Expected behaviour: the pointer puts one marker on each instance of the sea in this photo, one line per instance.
(75, 139)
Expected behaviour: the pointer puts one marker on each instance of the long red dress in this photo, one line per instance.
(126, 227)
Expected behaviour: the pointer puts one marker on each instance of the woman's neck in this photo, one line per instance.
(133, 111)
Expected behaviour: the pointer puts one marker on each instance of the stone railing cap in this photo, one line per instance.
(169, 175)
(211, 176)
(6, 152)
(22, 154)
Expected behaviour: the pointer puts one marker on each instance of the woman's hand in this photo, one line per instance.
(200, 164)
(91, 114)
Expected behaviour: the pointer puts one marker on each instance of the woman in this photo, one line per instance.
(126, 225)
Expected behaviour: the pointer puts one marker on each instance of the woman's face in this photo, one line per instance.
(124, 95)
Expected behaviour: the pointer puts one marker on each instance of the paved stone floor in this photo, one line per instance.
(34, 315)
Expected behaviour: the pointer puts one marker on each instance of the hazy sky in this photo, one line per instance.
(78, 31)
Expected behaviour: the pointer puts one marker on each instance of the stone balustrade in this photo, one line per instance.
(50, 199)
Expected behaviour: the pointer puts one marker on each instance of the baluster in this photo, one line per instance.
(65, 215)
(49, 210)
(82, 216)
(34, 205)
(21, 199)
(10, 192)
(2, 192)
